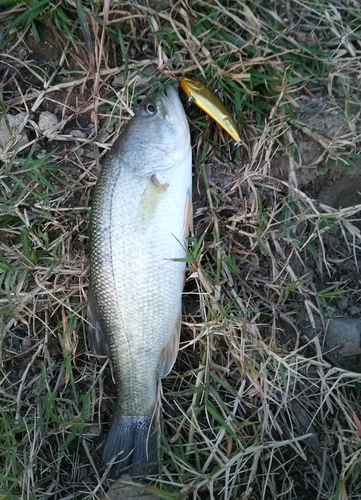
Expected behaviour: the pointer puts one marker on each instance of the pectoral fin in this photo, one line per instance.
(170, 350)
(97, 341)
(150, 198)
(188, 216)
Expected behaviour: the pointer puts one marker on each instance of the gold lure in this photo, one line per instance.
(205, 99)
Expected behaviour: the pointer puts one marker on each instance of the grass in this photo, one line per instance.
(252, 409)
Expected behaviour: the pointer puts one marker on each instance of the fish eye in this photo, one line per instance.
(151, 108)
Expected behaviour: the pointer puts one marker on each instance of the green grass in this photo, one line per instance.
(252, 409)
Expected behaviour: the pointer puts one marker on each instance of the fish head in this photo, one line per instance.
(158, 133)
(167, 127)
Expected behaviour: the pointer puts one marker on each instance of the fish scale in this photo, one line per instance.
(138, 227)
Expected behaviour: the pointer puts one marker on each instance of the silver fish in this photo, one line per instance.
(140, 218)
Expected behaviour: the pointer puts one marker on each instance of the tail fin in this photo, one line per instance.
(133, 443)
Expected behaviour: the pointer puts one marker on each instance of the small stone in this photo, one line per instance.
(342, 304)
(176, 61)
(17, 120)
(118, 80)
(11, 139)
(104, 136)
(47, 121)
(16, 339)
(92, 431)
(41, 154)
(90, 154)
(140, 78)
(27, 343)
(343, 343)
(78, 133)
(354, 310)
(120, 490)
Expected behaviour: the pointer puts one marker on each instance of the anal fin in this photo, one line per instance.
(170, 350)
(188, 216)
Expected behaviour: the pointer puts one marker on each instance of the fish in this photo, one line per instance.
(207, 100)
(140, 218)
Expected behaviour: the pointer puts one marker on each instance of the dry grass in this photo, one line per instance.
(253, 409)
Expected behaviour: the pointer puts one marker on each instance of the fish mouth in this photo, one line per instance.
(171, 93)
(171, 96)
(175, 113)
(176, 138)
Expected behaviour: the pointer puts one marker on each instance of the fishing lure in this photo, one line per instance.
(205, 99)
